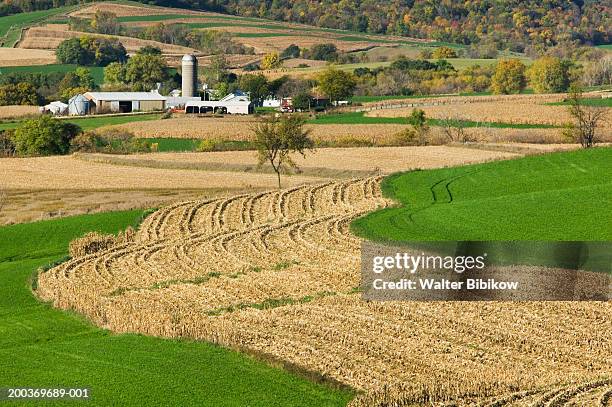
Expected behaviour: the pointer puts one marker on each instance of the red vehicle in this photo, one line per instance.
(286, 105)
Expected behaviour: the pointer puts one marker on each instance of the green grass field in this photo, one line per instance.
(93, 122)
(10, 26)
(261, 35)
(597, 102)
(360, 118)
(558, 196)
(185, 144)
(152, 17)
(165, 145)
(97, 72)
(24, 19)
(44, 347)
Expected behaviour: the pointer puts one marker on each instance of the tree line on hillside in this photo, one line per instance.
(510, 24)
(140, 72)
(404, 76)
(516, 25)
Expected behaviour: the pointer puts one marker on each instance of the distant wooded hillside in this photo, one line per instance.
(514, 24)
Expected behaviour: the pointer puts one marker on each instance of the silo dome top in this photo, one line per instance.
(188, 58)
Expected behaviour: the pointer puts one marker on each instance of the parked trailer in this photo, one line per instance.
(234, 103)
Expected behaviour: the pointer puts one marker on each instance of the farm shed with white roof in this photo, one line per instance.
(125, 102)
(56, 108)
(234, 103)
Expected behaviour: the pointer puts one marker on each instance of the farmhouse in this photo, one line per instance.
(234, 103)
(124, 102)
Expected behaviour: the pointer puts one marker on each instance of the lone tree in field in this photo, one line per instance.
(336, 84)
(44, 136)
(271, 61)
(276, 138)
(418, 132)
(509, 77)
(454, 129)
(586, 119)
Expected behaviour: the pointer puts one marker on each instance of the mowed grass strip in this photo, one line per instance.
(361, 118)
(261, 35)
(595, 102)
(97, 72)
(166, 144)
(94, 122)
(559, 197)
(48, 348)
(155, 17)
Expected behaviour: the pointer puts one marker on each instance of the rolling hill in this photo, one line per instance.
(532, 198)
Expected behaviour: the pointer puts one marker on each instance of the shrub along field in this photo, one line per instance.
(532, 198)
(43, 347)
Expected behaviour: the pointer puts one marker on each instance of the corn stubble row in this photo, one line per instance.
(273, 273)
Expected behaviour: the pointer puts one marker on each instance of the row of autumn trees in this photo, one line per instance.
(545, 75)
(513, 24)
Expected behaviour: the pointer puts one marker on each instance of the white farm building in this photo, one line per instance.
(234, 103)
(125, 102)
(56, 108)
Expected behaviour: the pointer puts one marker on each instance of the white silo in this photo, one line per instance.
(189, 72)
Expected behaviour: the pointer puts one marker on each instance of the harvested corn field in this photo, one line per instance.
(373, 160)
(70, 173)
(25, 57)
(274, 273)
(51, 35)
(48, 187)
(124, 10)
(240, 128)
(16, 111)
(517, 110)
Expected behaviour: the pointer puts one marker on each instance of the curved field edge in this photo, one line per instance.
(557, 196)
(46, 347)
